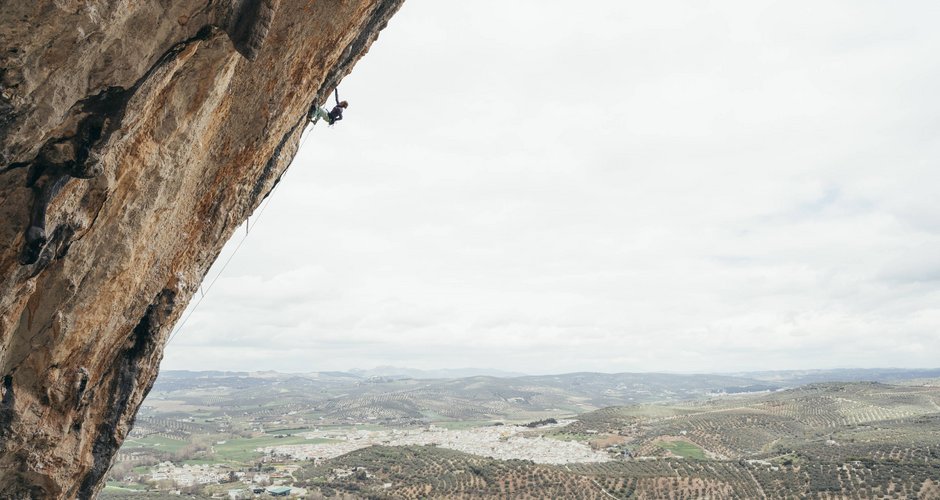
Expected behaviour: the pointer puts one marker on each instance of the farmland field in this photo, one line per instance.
(683, 449)
(568, 436)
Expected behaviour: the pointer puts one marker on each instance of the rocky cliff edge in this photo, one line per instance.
(135, 137)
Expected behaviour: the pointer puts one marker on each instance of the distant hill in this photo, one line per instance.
(767, 378)
(821, 421)
(346, 398)
(399, 372)
(400, 395)
(800, 377)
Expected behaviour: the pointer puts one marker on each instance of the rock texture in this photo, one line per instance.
(135, 136)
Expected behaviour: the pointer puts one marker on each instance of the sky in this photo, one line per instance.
(617, 186)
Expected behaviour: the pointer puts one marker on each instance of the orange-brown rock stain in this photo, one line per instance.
(203, 137)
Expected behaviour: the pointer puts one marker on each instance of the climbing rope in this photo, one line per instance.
(248, 226)
(227, 261)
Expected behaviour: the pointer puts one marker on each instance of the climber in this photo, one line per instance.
(333, 116)
(337, 113)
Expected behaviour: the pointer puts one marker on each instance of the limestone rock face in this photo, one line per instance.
(135, 136)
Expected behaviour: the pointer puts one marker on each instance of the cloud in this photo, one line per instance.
(677, 186)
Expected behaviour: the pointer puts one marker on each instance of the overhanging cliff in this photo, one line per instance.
(135, 137)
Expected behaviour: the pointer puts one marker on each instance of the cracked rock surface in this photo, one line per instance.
(134, 138)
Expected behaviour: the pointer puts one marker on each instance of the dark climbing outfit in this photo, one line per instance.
(319, 113)
(335, 115)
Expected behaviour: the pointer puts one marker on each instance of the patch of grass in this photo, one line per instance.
(683, 449)
(294, 430)
(159, 443)
(114, 486)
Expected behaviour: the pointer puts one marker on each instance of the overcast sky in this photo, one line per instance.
(544, 186)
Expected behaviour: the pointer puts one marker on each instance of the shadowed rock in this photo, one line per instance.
(247, 23)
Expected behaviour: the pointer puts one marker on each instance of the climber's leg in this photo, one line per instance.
(322, 114)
